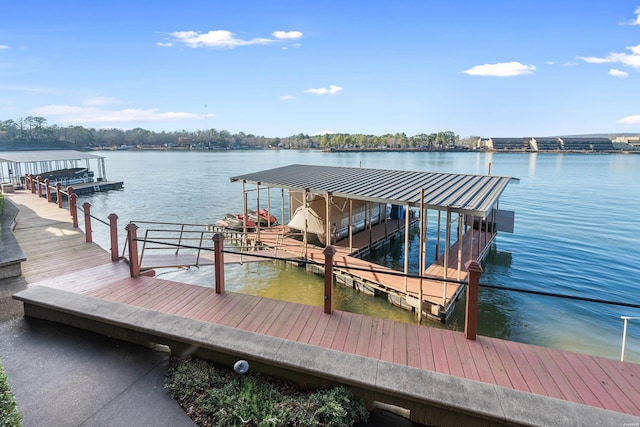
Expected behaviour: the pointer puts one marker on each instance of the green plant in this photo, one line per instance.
(2, 201)
(9, 415)
(213, 396)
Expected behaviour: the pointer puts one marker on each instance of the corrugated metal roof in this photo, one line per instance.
(45, 156)
(471, 194)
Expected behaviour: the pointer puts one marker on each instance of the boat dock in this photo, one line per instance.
(437, 374)
(357, 209)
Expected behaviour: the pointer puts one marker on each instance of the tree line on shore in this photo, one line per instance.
(34, 133)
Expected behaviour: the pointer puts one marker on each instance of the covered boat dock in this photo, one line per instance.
(355, 208)
(86, 172)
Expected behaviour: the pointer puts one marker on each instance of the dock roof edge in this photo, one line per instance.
(470, 194)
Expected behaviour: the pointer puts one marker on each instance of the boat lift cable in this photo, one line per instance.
(397, 273)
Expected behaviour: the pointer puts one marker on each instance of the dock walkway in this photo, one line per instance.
(489, 380)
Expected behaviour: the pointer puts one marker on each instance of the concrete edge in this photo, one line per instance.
(388, 382)
(11, 253)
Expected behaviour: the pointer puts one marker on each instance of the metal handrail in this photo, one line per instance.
(624, 333)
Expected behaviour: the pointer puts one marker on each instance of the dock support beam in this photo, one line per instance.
(218, 246)
(471, 319)
(328, 252)
(132, 243)
(113, 225)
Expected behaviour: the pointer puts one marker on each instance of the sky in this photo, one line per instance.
(279, 68)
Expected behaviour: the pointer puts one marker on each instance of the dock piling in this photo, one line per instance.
(471, 318)
(218, 246)
(132, 243)
(328, 253)
(73, 208)
(113, 225)
(86, 206)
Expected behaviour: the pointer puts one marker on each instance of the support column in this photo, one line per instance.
(39, 184)
(47, 183)
(73, 209)
(328, 253)
(59, 194)
(218, 246)
(86, 206)
(132, 243)
(113, 226)
(406, 244)
(471, 319)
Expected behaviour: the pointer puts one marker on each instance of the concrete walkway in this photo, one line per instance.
(63, 376)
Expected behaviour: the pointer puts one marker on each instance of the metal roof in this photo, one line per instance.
(45, 156)
(471, 194)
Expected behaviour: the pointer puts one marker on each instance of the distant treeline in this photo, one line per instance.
(34, 133)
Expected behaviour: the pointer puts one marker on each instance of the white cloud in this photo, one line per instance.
(617, 73)
(631, 59)
(550, 63)
(630, 120)
(287, 35)
(4, 46)
(324, 91)
(287, 98)
(224, 39)
(501, 69)
(635, 21)
(92, 114)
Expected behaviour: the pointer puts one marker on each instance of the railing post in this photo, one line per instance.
(73, 209)
(39, 183)
(134, 262)
(33, 187)
(47, 183)
(218, 260)
(471, 319)
(87, 221)
(328, 253)
(27, 181)
(113, 225)
(59, 194)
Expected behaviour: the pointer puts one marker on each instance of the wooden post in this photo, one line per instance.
(471, 320)
(328, 253)
(39, 183)
(47, 183)
(113, 225)
(59, 194)
(86, 206)
(218, 260)
(27, 181)
(33, 187)
(73, 209)
(132, 243)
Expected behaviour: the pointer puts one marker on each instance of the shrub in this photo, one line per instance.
(216, 397)
(9, 415)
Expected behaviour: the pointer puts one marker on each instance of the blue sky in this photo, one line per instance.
(279, 68)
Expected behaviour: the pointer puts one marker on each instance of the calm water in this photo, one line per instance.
(577, 233)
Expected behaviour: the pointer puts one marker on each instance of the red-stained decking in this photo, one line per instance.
(51, 244)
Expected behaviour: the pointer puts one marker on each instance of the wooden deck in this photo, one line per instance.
(49, 241)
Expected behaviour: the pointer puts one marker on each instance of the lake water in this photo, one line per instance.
(577, 233)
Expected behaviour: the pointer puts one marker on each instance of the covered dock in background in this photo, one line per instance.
(466, 206)
(86, 172)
